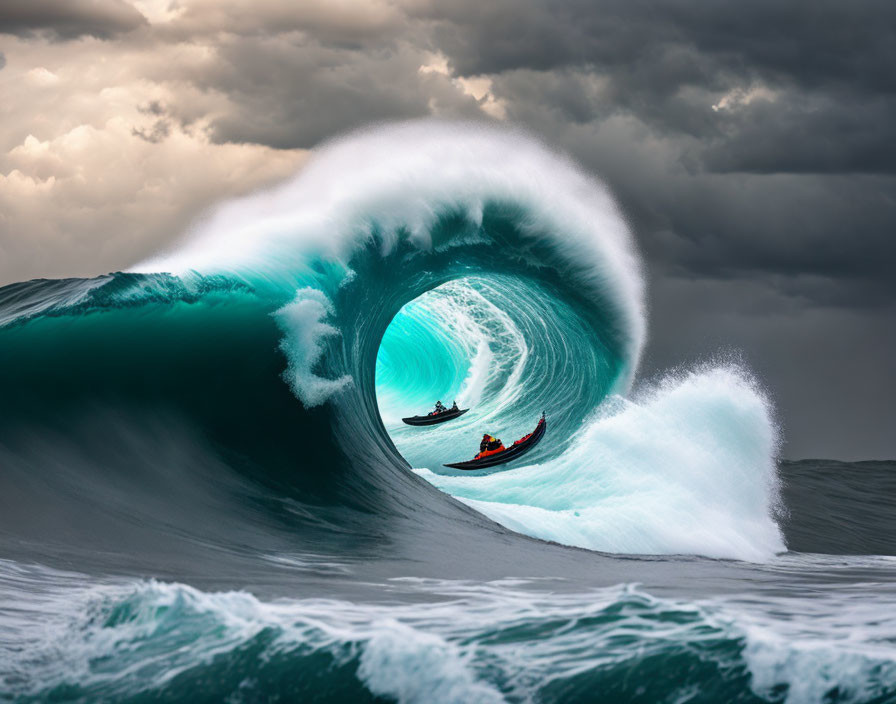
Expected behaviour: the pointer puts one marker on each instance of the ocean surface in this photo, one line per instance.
(207, 493)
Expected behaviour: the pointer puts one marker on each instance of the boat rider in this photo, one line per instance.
(454, 407)
(439, 409)
(490, 443)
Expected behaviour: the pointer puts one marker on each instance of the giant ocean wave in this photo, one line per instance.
(504, 275)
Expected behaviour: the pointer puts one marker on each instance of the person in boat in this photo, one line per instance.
(454, 407)
(490, 445)
(439, 409)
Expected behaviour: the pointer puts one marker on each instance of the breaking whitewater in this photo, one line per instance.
(207, 493)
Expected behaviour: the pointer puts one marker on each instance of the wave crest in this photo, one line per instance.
(488, 198)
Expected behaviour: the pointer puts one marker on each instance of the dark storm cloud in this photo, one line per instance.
(814, 43)
(69, 19)
(835, 133)
(691, 220)
(782, 224)
(830, 101)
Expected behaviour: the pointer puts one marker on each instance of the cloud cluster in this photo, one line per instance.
(752, 144)
(802, 93)
(68, 19)
(122, 122)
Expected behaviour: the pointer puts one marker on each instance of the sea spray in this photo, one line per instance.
(689, 469)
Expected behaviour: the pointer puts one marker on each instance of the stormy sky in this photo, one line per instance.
(752, 145)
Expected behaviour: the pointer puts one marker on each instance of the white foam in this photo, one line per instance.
(409, 666)
(477, 378)
(443, 640)
(841, 643)
(302, 322)
(688, 469)
(163, 630)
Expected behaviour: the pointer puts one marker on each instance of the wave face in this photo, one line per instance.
(511, 283)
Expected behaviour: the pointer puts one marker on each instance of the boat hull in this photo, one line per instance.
(509, 455)
(435, 420)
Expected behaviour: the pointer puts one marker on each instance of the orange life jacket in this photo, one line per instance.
(486, 453)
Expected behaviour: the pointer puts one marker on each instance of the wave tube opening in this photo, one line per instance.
(685, 467)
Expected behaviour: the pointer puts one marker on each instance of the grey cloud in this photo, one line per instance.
(2, 60)
(160, 127)
(809, 134)
(832, 226)
(811, 43)
(288, 97)
(293, 95)
(153, 107)
(69, 19)
(827, 64)
(159, 130)
(343, 24)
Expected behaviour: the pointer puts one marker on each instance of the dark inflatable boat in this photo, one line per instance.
(518, 449)
(437, 418)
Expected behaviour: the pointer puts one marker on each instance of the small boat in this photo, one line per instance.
(515, 451)
(436, 418)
